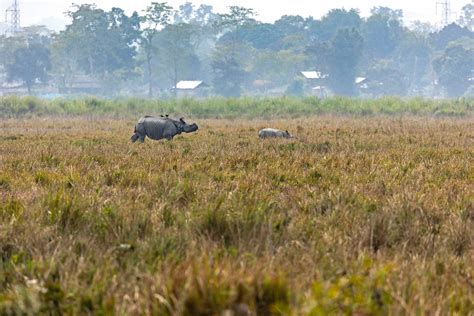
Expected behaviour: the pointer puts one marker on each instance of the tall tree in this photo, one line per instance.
(232, 24)
(454, 67)
(413, 59)
(339, 58)
(467, 16)
(30, 64)
(382, 31)
(26, 57)
(422, 28)
(262, 36)
(203, 21)
(101, 44)
(177, 55)
(448, 34)
(184, 14)
(228, 59)
(272, 69)
(335, 20)
(387, 79)
(293, 31)
(228, 73)
(157, 15)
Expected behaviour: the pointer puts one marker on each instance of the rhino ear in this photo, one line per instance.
(181, 119)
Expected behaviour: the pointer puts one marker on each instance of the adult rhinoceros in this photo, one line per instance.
(272, 132)
(160, 127)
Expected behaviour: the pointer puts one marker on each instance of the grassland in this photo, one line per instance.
(365, 216)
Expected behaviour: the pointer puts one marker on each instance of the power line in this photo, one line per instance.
(12, 17)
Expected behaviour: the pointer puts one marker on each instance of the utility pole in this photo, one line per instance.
(12, 17)
(445, 11)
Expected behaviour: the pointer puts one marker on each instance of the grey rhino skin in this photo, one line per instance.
(157, 128)
(273, 133)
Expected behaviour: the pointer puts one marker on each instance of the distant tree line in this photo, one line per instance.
(148, 53)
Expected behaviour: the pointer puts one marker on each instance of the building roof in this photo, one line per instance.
(11, 85)
(360, 80)
(188, 85)
(313, 75)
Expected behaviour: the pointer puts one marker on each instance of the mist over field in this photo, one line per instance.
(191, 50)
(180, 161)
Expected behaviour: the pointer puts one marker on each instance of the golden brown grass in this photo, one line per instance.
(359, 216)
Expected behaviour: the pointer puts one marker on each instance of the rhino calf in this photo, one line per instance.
(157, 128)
(273, 133)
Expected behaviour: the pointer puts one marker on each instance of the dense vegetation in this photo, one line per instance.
(147, 53)
(358, 216)
(235, 107)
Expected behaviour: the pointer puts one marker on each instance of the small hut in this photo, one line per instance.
(189, 88)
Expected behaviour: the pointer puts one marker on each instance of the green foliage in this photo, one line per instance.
(344, 56)
(336, 20)
(156, 16)
(228, 74)
(177, 54)
(454, 68)
(234, 108)
(115, 54)
(228, 60)
(235, 18)
(29, 63)
(340, 58)
(450, 33)
(11, 209)
(363, 291)
(296, 88)
(102, 42)
(466, 18)
(386, 79)
(382, 31)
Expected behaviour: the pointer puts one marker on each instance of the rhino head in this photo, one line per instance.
(188, 128)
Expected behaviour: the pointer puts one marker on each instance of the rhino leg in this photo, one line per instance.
(139, 137)
(139, 133)
(169, 134)
(134, 137)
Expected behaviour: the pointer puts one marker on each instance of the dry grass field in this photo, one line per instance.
(361, 216)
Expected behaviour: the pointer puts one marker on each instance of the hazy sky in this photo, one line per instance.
(52, 11)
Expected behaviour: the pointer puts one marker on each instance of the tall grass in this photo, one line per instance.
(361, 217)
(234, 108)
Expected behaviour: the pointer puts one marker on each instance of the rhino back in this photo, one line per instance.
(154, 127)
(270, 132)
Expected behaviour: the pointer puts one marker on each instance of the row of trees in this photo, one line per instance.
(236, 54)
